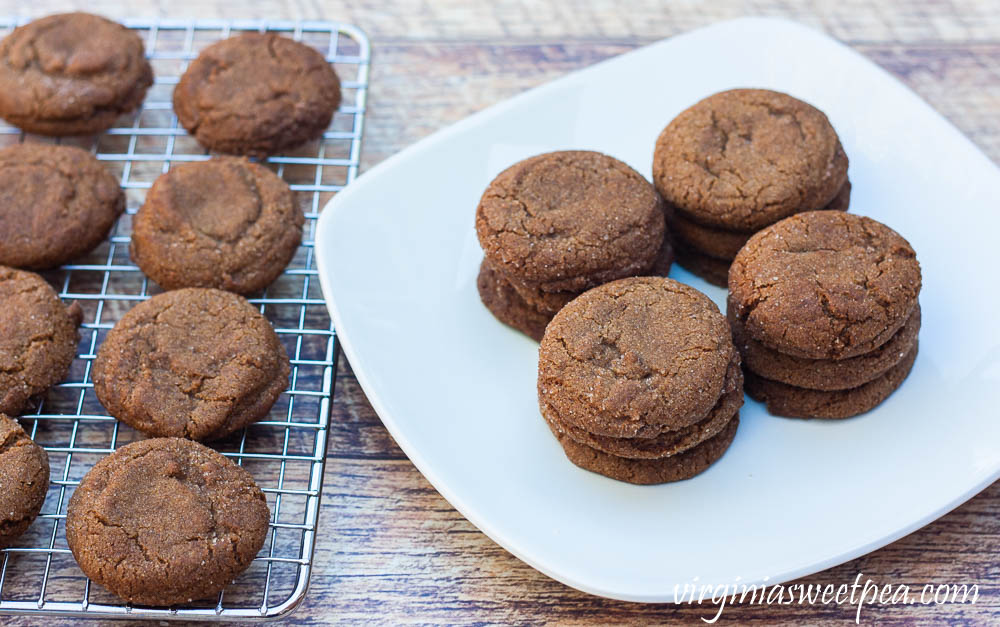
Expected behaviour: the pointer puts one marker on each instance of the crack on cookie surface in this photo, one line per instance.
(824, 285)
(745, 158)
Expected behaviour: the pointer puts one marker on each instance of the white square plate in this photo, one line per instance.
(398, 258)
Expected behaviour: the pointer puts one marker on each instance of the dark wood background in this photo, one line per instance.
(391, 549)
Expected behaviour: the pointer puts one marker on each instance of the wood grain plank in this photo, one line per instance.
(403, 551)
(901, 21)
(460, 78)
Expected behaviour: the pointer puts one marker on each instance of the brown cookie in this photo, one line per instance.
(666, 443)
(71, 74)
(194, 363)
(787, 400)
(664, 259)
(545, 302)
(506, 304)
(551, 302)
(38, 338)
(712, 269)
(635, 357)
(706, 240)
(842, 201)
(745, 158)
(827, 374)
(684, 465)
(725, 243)
(24, 480)
(225, 223)
(824, 285)
(257, 94)
(166, 521)
(568, 221)
(56, 203)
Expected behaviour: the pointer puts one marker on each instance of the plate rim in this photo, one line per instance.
(415, 456)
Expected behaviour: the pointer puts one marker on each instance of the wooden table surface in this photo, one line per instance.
(391, 549)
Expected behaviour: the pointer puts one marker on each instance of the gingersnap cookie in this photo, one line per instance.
(824, 285)
(705, 240)
(745, 158)
(842, 201)
(827, 374)
(24, 480)
(166, 521)
(634, 358)
(725, 243)
(545, 302)
(677, 467)
(56, 203)
(551, 302)
(225, 223)
(506, 304)
(666, 443)
(664, 259)
(797, 402)
(38, 338)
(712, 269)
(256, 94)
(71, 74)
(567, 221)
(194, 363)
(528, 308)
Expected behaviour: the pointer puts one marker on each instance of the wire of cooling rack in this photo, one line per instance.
(286, 452)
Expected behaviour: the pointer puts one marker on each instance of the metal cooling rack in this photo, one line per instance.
(286, 453)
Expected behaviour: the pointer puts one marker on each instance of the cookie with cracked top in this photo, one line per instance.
(194, 363)
(568, 221)
(38, 338)
(685, 465)
(257, 94)
(745, 158)
(796, 402)
(24, 480)
(824, 285)
(225, 223)
(71, 74)
(56, 203)
(166, 521)
(634, 358)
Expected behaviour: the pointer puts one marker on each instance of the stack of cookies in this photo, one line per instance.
(560, 223)
(738, 161)
(823, 307)
(639, 381)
